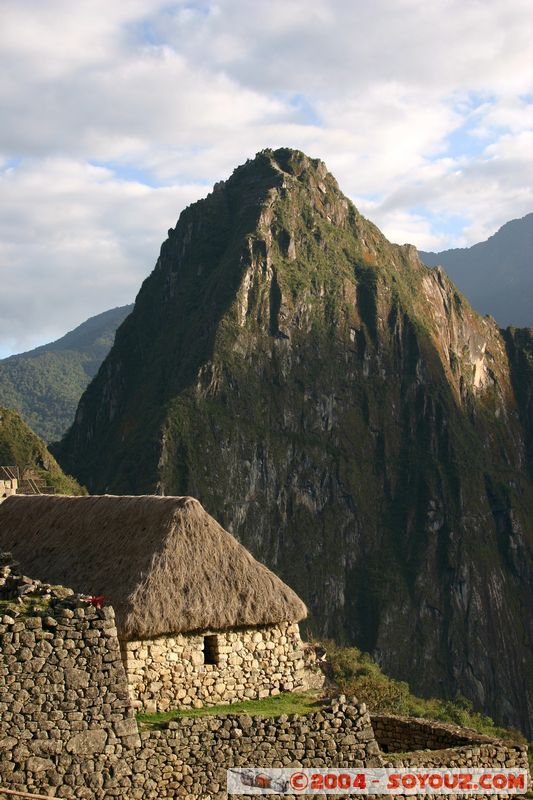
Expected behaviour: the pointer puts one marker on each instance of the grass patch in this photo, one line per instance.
(285, 703)
(30, 603)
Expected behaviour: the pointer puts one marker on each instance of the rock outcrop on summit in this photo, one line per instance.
(343, 411)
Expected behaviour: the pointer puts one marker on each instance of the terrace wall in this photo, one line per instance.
(65, 714)
(409, 741)
(67, 726)
(401, 734)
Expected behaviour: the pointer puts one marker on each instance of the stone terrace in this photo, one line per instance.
(67, 726)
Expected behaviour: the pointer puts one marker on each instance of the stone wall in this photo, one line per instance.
(409, 741)
(202, 749)
(67, 727)
(174, 671)
(493, 754)
(64, 707)
(402, 734)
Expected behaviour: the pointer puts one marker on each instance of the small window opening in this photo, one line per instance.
(210, 649)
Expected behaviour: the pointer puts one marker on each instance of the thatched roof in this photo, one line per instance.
(163, 562)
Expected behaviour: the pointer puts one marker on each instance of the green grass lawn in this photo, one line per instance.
(285, 703)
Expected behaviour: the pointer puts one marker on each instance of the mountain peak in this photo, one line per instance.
(286, 160)
(295, 162)
(283, 168)
(343, 411)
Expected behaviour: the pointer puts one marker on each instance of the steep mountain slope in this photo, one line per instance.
(342, 410)
(45, 384)
(21, 447)
(496, 275)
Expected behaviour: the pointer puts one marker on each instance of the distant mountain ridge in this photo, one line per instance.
(495, 275)
(45, 384)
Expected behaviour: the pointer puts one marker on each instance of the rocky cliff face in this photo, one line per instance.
(342, 410)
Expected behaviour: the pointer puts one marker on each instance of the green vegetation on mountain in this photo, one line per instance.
(356, 673)
(496, 275)
(45, 384)
(21, 447)
(342, 410)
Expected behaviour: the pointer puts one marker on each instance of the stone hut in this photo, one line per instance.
(200, 620)
(8, 482)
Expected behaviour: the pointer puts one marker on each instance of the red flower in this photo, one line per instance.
(95, 600)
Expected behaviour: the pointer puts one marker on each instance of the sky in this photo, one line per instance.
(115, 115)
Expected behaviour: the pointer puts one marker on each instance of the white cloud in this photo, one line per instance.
(339, 45)
(423, 111)
(74, 241)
